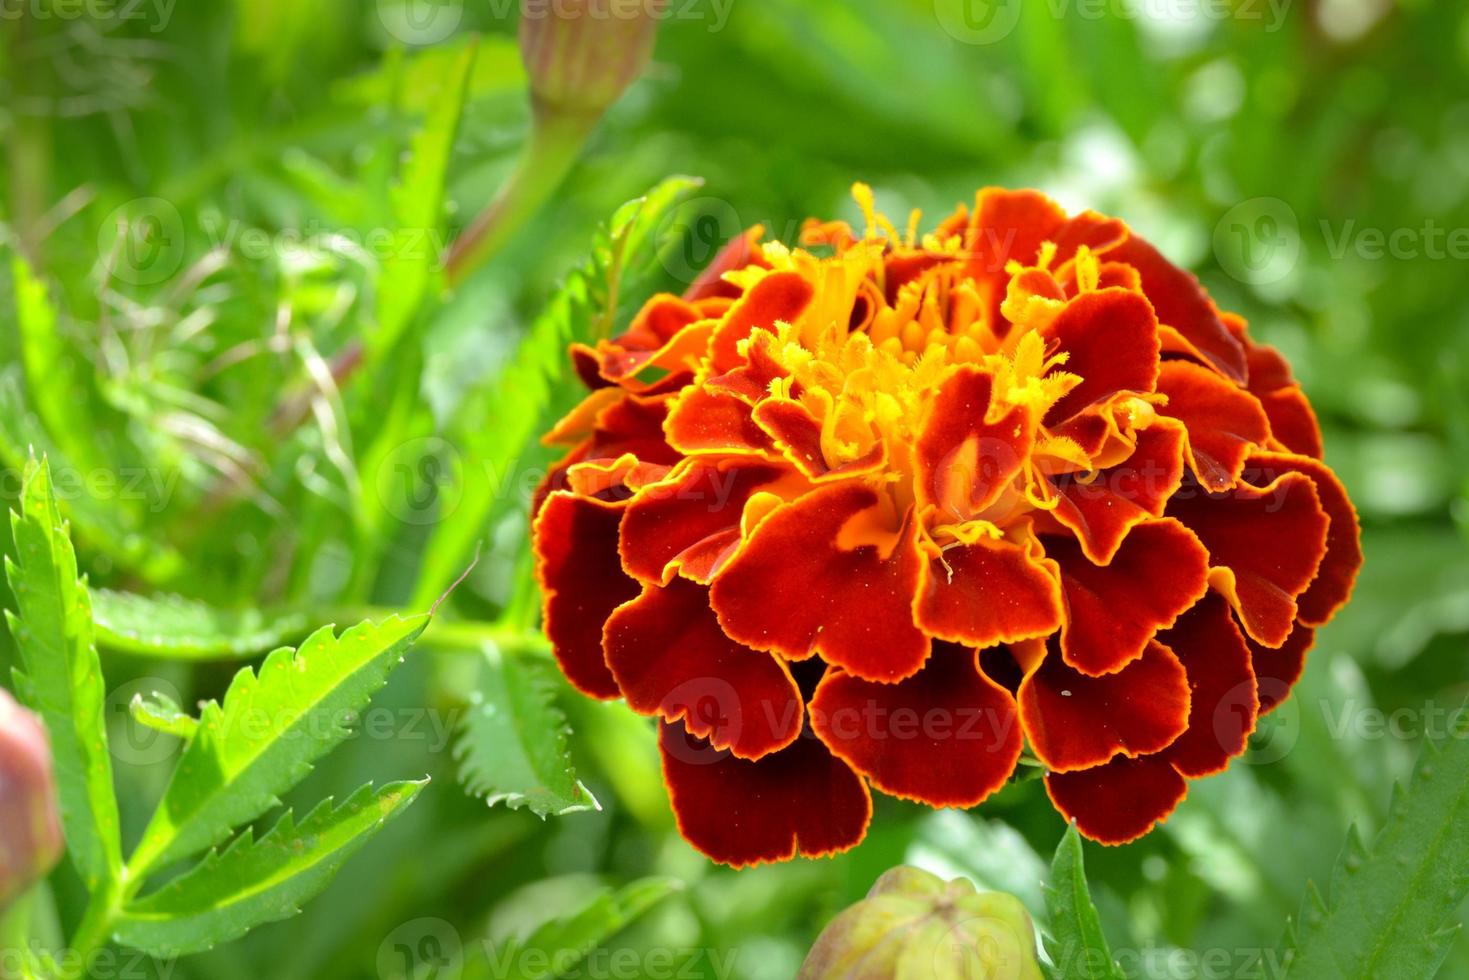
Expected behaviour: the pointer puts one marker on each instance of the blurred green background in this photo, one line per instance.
(1309, 158)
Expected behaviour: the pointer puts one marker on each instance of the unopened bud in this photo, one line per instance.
(30, 827)
(581, 55)
(913, 924)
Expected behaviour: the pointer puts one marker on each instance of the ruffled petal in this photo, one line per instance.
(947, 736)
(1113, 610)
(794, 589)
(797, 434)
(690, 523)
(707, 421)
(581, 583)
(1120, 801)
(988, 592)
(1223, 700)
(779, 297)
(1076, 722)
(671, 659)
(741, 251)
(1265, 546)
(1224, 421)
(1193, 323)
(965, 460)
(1104, 506)
(1111, 339)
(1277, 671)
(658, 337)
(801, 800)
(1337, 576)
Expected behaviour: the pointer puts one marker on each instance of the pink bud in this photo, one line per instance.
(30, 828)
(581, 55)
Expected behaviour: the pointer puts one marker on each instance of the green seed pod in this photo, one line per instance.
(30, 827)
(914, 925)
(581, 55)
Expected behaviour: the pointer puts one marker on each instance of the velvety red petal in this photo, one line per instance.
(1264, 544)
(1223, 700)
(581, 583)
(751, 381)
(1336, 578)
(1120, 801)
(707, 421)
(1006, 225)
(1102, 507)
(1182, 304)
(1292, 420)
(1224, 421)
(686, 521)
(797, 434)
(947, 736)
(1277, 671)
(633, 425)
(670, 658)
(1111, 336)
(986, 593)
(1076, 722)
(779, 297)
(793, 589)
(1113, 610)
(741, 251)
(964, 461)
(1096, 231)
(656, 325)
(801, 800)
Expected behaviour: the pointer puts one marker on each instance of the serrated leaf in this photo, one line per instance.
(512, 746)
(254, 882)
(268, 733)
(558, 947)
(1075, 941)
(175, 628)
(159, 712)
(52, 380)
(1388, 908)
(62, 675)
(505, 417)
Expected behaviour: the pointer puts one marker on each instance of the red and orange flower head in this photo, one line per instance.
(886, 512)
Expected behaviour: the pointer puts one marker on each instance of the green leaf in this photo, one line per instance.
(269, 732)
(558, 947)
(1387, 912)
(60, 675)
(53, 382)
(506, 417)
(174, 628)
(512, 748)
(255, 882)
(159, 712)
(1075, 942)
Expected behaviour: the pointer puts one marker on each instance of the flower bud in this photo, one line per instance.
(581, 55)
(913, 924)
(30, 827)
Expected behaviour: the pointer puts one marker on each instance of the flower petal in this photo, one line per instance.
(988, 592)
(1223, 701)
(705, 420)
(947, 736)
(1103, 508)
(800, 800)
(1224, 422)
(740, 251)
(1277, 671)
(1265, 546)
(658, 336)
(670, 658)
(964, 460)
(1184, 307)
(1111, 339)
(794, 589)
(685, 523)
(1120, 801)
(1113, 610)
(1336, 578)
(797, 434)
(779, 297)
(1076, 722)
(581, 583)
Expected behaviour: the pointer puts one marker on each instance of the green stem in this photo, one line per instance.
(457, 634)
(556, 142)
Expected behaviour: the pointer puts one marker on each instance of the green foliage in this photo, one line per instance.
(175, 628)
(270, 729)
(254, 882)
(512, 747)
(62, 676)
(1075, 942)
(1387, 910)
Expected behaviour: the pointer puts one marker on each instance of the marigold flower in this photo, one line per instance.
(30, 825)
(883, 511)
